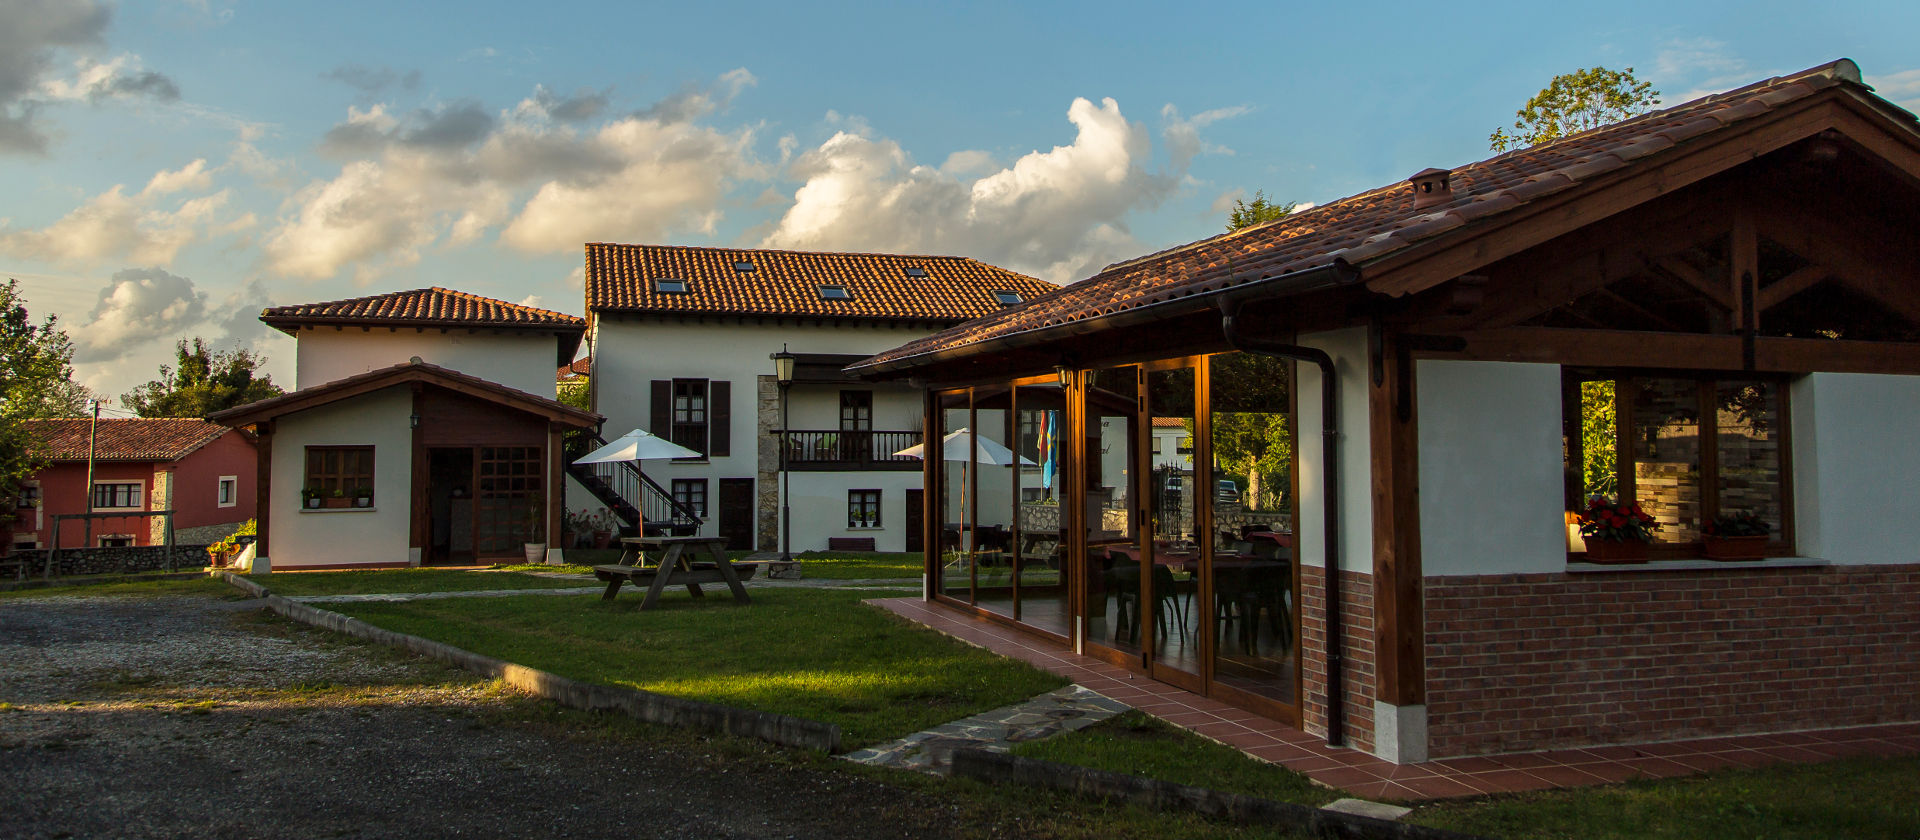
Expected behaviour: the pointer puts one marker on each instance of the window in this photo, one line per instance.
(29, 495)
(856, 411)
(670, 286)
(1686, 449)
(509, 509)
(338, 472)
(743, 266)
(691, 492)
(863, 508)
(916, 271)
(832, 291)
(690, 413)
(229, 490)
(116, 540)
(116, 494)
(1006, 297)
(26, 542)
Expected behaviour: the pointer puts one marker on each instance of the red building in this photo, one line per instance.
(203, 472)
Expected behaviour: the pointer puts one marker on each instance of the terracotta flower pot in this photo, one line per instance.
(1616, 551)
(1737, 548)
(338, 501)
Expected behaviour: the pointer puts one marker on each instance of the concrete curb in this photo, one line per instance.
(998, 768)
(784, 730)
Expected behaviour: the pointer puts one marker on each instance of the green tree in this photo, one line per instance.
(1574, 102)
(201, 381)
(1599, 440)
(1249, 213)
(1251, 431)
(36, 381)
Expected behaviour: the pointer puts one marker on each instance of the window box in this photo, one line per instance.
(336, 502)
(1617, 552)
(1737, 548)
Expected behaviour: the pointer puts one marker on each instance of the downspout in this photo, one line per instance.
(1330, 476)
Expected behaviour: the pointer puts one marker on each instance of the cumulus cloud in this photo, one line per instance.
(372, 80)
(31, 33)
(138, 306)
(147, 227)
(1902, 88)
(456, 174)
(1697, 67)
(1057, 214)
(121, 77)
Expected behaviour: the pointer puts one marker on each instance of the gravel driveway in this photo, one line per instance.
(192, 716)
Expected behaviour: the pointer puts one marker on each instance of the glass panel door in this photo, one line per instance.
(989, 457)
(1041, 534)
(1255, 583)
(955, 548)
(1173, 500)
(1113, 555)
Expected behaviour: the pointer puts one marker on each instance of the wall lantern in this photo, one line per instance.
(783, 366)
(1065, 374)
(413, 421)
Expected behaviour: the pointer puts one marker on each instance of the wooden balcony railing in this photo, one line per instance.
(832, 449)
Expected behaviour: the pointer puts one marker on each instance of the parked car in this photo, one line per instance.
(1226, 491)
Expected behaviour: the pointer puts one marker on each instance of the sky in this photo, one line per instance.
(169, 168)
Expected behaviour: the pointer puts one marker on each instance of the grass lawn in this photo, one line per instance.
(865, 565)
(195, 586)
(404, 580)
(1138, 745)
(816, 654)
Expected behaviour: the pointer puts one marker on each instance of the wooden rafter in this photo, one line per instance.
(1673, 266)
(1800, 280)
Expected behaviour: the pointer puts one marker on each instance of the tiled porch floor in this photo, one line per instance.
(1371, 778)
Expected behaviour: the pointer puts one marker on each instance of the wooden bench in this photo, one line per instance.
(676, 568)
(850, 544)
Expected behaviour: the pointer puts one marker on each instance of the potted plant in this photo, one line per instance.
(337, 499)
(536, 516)
(363, 497)
(602, 529)
(1737, 536)
(1616, 533)
(310, 497)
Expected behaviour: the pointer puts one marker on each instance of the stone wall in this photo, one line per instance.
(1542, 661)
(104, 561)
(205, 534)
(767, 503)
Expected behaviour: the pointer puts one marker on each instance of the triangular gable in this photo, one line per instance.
(433, 375)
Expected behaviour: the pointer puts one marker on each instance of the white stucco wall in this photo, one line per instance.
(1490, 468)
(298, 537)
(630, 353)
(519, 360)
(1348, 347)
(1856, 467)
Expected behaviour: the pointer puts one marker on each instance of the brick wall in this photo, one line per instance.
(1524, 662)
(1356, 596)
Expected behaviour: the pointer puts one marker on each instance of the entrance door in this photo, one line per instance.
(450, 504)
(736, 513)
(916, 520)
(1113, 584)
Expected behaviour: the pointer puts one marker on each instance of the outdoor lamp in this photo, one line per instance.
(413, 421)
(1065, 374)
(782, 365)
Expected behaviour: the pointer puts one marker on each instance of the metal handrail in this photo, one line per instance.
(655, 503)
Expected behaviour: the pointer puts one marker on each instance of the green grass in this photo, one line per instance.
(565, 569)
(816, 654)
(872, 565)
(1138, 745)
(1862, 798)
(403, 581)
(147, 588)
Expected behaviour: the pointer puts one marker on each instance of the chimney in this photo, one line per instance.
(1430, 187)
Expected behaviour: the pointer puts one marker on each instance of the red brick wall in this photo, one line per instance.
(1356, 596)
(1523, 662)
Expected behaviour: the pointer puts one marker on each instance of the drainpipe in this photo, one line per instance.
(1330, 457)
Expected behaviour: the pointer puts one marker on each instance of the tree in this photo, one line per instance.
(1250, 213)
(1574, 102)
(1252, 436)
(36, 364)
(202, 381)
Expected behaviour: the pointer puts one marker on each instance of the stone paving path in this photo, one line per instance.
(874, 584)
(1062, 710)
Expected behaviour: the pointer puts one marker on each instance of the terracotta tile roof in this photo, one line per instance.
(622, 278)
(1372, 225)
(580, 367)
(434, 306)
(156, 439)
(1169, 422)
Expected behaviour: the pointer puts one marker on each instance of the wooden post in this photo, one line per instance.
(263, 486)
(419, 517)
(1399, 621)
(556, 478)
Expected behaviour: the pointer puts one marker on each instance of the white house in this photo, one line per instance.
(682, 343)
(423, 429)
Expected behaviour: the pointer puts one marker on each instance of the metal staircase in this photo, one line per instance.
(632, 497)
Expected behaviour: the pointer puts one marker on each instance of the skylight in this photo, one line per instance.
(670, 286)
(916, 271)
(1006, 298)
(743, 266)
(835, 292)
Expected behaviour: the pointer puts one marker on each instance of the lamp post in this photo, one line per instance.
(783, 374)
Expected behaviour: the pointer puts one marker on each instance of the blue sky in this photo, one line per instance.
(171, 167)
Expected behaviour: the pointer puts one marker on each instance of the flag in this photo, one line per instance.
(1047, 460)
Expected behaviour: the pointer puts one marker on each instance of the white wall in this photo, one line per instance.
(1856, 467)
(1490, 468)
(820, 508)
(629, 353)
(1348, 347)
(298, 537)
(523, 361)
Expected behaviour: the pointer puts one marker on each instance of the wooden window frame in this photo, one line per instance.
(860, 403)
(688, 425)
(857, 507)
(1626, 386)
(138, 494)
(338, 478)
(687, 498)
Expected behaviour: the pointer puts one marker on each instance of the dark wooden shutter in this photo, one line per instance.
(719, 418)
(662, 409)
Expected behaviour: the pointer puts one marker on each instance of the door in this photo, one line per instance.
(450, 504)
(916, 520)
(736, 513)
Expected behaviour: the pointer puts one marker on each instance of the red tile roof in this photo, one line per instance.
(1169, 422)
(621, 278)
(434, 306)
(580, 367)
(156, 439)
(1370, 226)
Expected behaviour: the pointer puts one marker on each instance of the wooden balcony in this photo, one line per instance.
(822, 450)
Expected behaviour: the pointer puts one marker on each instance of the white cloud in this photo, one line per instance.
(1056, 214)
(118, 78)
(1902, 88)
(113, 225)
(139, 306)
(1697, 67)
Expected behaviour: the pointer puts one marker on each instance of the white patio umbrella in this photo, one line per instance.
(954, 447)
(637, 445)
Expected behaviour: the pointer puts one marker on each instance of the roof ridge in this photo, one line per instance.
(797, 252)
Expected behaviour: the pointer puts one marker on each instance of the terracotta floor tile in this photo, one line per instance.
(1508, 781)
(1470, 764)
(1247, 740)
(1603, 753)
(1654, 767)
(1346, 778)
(1609, 771)
(1704, 762)
(1785, 753)
(1672, 748)
(1525, 761)
(1561, 775)
(1440, 787)
(1373, 791)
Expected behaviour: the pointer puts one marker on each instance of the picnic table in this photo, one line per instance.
(677, 567)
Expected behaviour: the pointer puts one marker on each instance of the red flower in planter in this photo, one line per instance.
(1619, 522)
